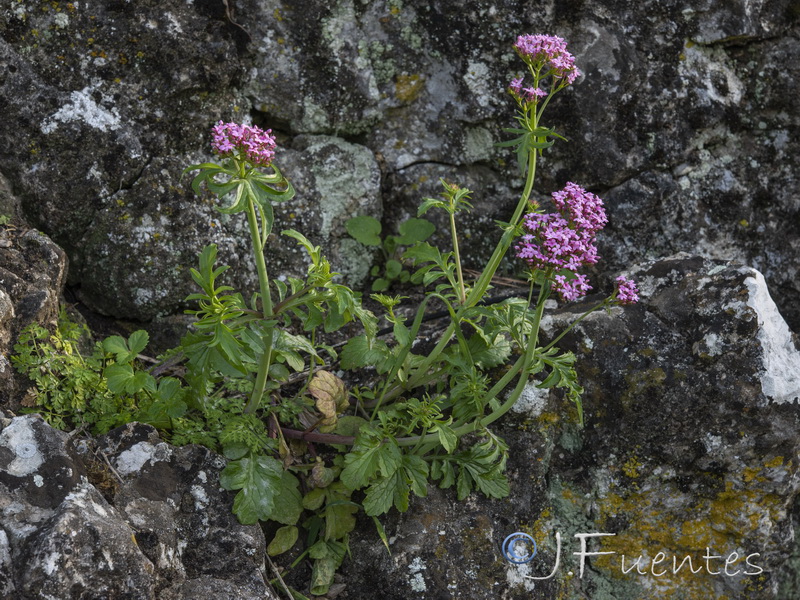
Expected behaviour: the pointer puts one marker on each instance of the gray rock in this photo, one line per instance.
(130, 517)
(685, 122)
(692, 425)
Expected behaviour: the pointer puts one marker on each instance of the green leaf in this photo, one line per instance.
(239, 203)
(288, 501)
(380, 285)
(447, 438)
(339, 518)
(360, 352)
(365, 229)
(314, 499)
(235, 450)
(416, 470)
(118, 346)
(369, 454)
(429, 203)
(118, 377)
(284, 539)
(491, 355)
(415, 230)
(382, 534)
(328, 556)
(385, 492)
(349, 425)
(259, 480)
(393, 268)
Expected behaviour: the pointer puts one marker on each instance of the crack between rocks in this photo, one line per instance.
(430, 162)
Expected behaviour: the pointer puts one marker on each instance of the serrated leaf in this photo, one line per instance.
(386, 491)
(117, 377)
(491, 355)
(367, 457)
(365, 229)
(359, 352)
(288, 503)
(447, 438)
(429, 203)
(118, 346)
(258, 481)
(416, 470)
(283, 541)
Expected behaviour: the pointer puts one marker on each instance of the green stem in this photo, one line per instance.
(480, 287)
(266, 304)
(575, 322)
(526, 361)
(462, 293)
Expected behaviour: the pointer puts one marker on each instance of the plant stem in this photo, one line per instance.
(575, 322)
(266, 304)
(462, 293)
(480, 287)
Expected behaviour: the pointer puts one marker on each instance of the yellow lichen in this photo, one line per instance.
(407, 88)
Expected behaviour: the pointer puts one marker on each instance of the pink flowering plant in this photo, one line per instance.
(255, 378)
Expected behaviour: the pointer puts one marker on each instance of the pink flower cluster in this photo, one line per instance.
(251, 143)
(528, 94)
(626, 293)
(565, 240)
(549, 50)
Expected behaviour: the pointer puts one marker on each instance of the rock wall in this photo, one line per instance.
(685, 122)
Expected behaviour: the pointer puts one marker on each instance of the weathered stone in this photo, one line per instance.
(83, 550)
(146, 520)
(685, 120)
(692, 401)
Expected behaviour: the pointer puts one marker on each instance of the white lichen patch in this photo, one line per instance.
(18, 436)
(518, 575)
(200, 496)
(780, 380)
(417, 581)
(83, 107)
(531, 401)
(135, 457)
(477, 80)
(721, 84)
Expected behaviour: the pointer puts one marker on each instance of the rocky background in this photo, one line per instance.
(685, 123)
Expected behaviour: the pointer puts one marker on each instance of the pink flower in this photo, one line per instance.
(572, 289)
(244, 142)
(516, 86)
(534, 93)
(550, 51)
(626, 292)
(564, 240)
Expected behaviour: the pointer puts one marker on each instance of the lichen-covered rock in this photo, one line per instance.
(129, 517)
(693, 428)
(685, 120)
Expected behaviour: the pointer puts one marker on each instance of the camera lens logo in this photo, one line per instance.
(519, 548)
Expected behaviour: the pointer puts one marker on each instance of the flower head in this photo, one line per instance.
(548, 50)
(626, 292)
(251, 143)
(564, 240)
